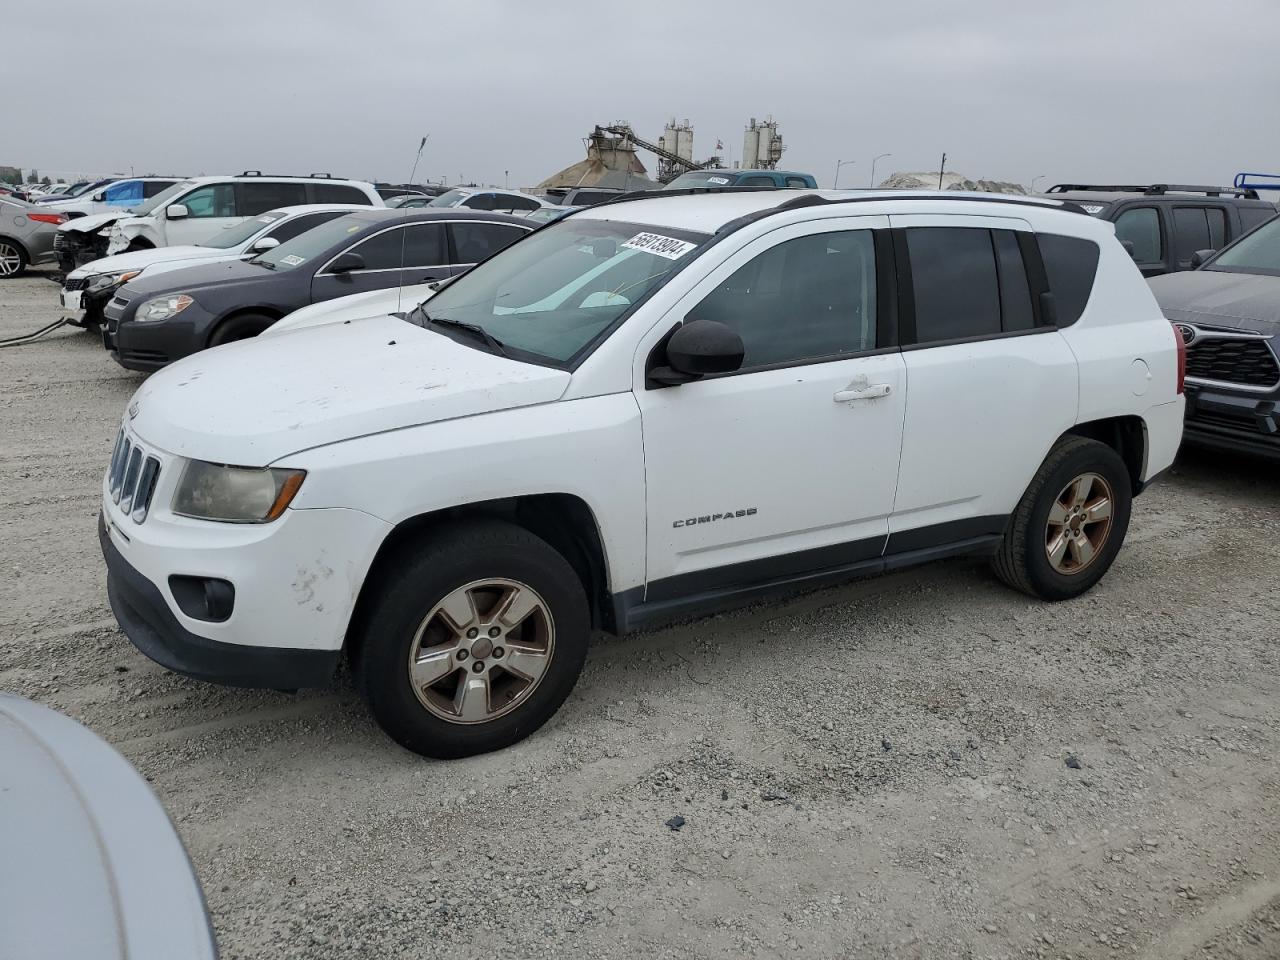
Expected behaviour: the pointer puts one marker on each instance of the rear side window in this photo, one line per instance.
(1070, 265)
(954, 280)
(1251, 217)
(508, 201)
(1141, 227)
(291, 228)
(797, 182)
(256, 198)
(338, 193)
(473, 242)
(756, 181)
(810, 298)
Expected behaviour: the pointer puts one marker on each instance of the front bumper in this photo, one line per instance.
(151, 346)
(1238, 422)
(150, 625)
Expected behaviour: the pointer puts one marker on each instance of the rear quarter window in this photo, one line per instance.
(1070, 264)
(338, 193)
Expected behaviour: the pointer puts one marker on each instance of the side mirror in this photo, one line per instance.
(346, 263)
(263, 244)
(698, 348)
(1130, 249)
(176, 211)
(100, 196)
(1199, 257)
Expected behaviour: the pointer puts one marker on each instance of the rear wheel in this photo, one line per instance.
(473, 642)
(244, 327)
(1070, 524)
(13, 259)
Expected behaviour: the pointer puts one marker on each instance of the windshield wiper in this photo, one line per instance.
(489, 340)
(261, 263)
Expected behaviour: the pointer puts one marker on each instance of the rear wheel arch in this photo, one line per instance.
(563, 520)
(1126, 435)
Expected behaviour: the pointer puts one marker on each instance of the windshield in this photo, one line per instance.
(702, 178)
(1256, 252)
(234, 236)
(161, 199)
(314, 243)
(450, 199)
(553, 294)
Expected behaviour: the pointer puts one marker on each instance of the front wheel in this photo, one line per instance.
(244, 327)
(1070, 523)
(473, 642)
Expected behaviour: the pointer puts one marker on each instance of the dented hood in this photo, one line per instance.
(253, 402)
(1220, 298)
(92, 222)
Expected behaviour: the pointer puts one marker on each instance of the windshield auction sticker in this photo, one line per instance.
(660, 246)
(292, 260)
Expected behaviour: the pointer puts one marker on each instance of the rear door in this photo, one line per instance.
(1198, 226)
(989, 384)
(399, 255)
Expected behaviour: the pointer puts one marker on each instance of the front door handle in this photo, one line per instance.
(861, 391)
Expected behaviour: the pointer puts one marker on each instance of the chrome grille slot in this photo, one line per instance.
(117, 473)
(115, 460)
(146, 489)
(130, 483)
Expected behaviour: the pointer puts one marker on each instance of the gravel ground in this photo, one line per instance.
(922, 765)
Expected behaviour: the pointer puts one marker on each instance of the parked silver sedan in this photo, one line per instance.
(26, 235)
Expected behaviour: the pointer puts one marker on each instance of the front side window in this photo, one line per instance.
(810, 298)
(214, 200)
(1190, 232)
(414, 245)
(151, 188)
(552, 296)
(1141, 227)
(1070, 265)
(473, 242)
(954, 280)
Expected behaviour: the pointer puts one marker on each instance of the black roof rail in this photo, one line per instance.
(1157, 189)
(251, 173)
(259, 173)
(321, 176)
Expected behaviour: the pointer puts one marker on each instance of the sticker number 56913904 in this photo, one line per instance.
(667, 247)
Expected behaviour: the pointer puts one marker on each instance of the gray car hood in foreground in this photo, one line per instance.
(90, 866)
(1241, 301)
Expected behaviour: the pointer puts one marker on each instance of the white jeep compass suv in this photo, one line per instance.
(651, 408)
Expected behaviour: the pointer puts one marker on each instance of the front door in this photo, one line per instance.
(210, 209)
(788, 466)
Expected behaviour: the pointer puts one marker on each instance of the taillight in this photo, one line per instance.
(47, 217)
(1182, 357)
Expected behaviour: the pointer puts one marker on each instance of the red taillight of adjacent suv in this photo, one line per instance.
(1182, 357)
(47, 217)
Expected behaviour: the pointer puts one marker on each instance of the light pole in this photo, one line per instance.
(873, 167)
(1033, 182)
(840, 163)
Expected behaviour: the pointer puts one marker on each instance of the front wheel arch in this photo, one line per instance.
(223, 330)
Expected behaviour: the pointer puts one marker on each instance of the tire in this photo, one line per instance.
(13, 259)
(1033, 557)
(492, 562)
(246, 326)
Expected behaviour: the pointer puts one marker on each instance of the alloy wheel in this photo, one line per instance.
(1079, 523)
(10, 260)
(481, 651)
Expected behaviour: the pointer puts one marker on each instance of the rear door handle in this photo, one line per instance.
(861, 391)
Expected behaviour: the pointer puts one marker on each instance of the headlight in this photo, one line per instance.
(162, 308)
(109, 281)
(212, 491)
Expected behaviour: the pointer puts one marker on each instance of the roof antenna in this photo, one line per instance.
(405, 232)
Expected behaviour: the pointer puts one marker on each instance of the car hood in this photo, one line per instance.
(90, 222)
(253, 402)
(357, 306)
(194, 276)
(146, 259)
(1240, 301)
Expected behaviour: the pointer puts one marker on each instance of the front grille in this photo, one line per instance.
(77, 284)
(132, 478)
(1231, 360)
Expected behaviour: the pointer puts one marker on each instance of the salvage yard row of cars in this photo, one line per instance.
(576, 389)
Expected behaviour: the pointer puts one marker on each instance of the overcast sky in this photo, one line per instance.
(1121, 90)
